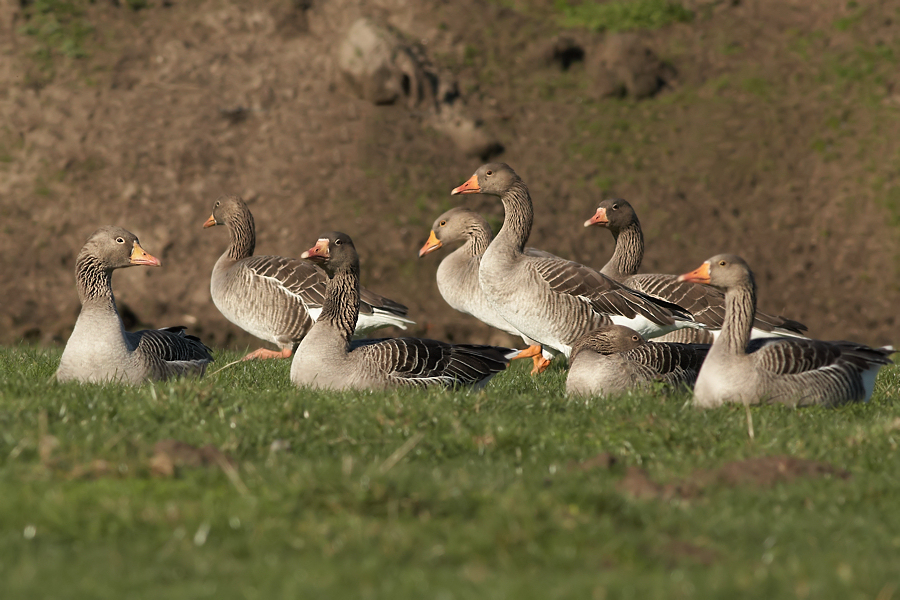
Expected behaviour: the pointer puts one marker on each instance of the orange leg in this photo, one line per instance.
(534, 353)
(540, 363)
(263, 354)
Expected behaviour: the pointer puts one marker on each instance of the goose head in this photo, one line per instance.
(227, 210)
(723, 271)
(457, 224)
(116, 248)
(494, 179)
(615, 214)
(609, 339)
(334, 251)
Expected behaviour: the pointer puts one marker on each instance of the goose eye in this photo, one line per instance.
(337, 242)
(722, 263)
(615, 207)
(217, 204)
(634, 338)
(120, 240)
(443, 223)
(489, 173)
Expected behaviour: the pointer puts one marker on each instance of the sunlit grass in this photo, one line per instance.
(429, 494)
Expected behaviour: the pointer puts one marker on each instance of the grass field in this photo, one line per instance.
(516, 492)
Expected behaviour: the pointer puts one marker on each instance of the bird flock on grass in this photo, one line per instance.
(709, 335)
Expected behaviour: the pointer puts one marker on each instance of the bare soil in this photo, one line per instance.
(774, 136)
(759, 472)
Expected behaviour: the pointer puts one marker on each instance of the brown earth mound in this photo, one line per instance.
(760, 472)
(774, 135)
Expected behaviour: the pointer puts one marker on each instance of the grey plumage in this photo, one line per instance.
(705, 304)
(614, 359)
(457, 275)
(99, 348)
(553, 301)
(792, 371)
(327, 358)
(277, 298)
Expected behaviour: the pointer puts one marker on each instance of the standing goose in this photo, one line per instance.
(792, 371)
(551, 300)
(99, 348)
(327, 359)
(276, 298)
(614, 359)
(457, 275)
(706, 304)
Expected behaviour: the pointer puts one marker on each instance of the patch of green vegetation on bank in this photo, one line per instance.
(622, 15)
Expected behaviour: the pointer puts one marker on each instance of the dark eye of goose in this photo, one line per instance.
(634, 338)
(120, 240)
(337, 242)
(615, 207)
(489, 173)
(722, 263)
(443, 223)
(217, 204)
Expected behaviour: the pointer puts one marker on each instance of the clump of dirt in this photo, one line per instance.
(626, 66)
(759, 472)
(170, 454)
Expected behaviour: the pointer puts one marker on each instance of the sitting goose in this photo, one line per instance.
(614, 359)
(457, 275)
(327, 359)
(275, 298)
(791, 371)
(706, 304)
(99, 348)
(551, 300)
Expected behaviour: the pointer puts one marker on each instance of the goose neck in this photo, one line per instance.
(519, 216)
(628, 255)
(341, 306)
(94, 281)
(243, 236)
(740, 308)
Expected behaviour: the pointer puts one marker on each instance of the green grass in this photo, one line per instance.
(429, 494)
(623, 15)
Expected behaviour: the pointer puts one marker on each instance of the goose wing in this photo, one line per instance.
(170, 344)
(602, 293)
(705, 303)
(414, 361)
(798, 355)
(305, 282)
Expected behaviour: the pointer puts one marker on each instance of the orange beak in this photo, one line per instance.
(317, 253)
(469, 187)
(431, 245)
(598, 219)
(210, 222)
(698, 275)
(139, 256)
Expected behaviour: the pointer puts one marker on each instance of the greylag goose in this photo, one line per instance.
(791, 371)
(551, 300)
(614, 359)
(275, 298)
(457, 275)
(99, 348)
(706, 304)
(326, 358)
